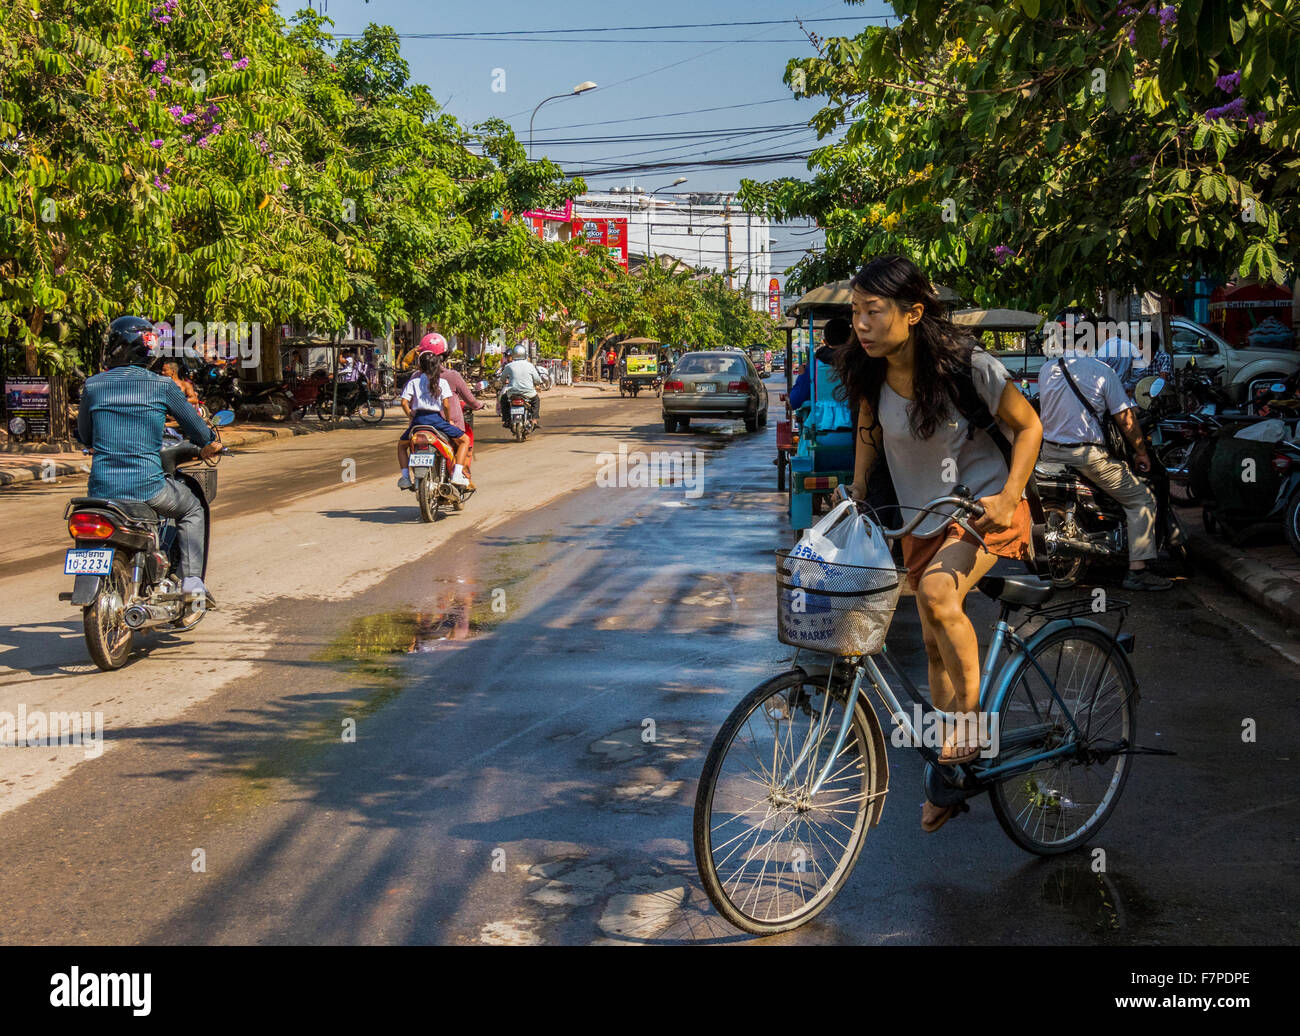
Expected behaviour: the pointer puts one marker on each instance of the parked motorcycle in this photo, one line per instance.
(354, 399)
(126, 558)
(1085, 527)
(1248, 484)
(270, 399)
(432, 459)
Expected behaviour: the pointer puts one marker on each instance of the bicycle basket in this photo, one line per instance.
(835, 609)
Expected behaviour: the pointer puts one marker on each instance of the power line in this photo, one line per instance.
(632, 138)
(683, 61)
(668, 115)
(622, 28)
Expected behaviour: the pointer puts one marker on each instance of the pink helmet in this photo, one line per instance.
(433, 343)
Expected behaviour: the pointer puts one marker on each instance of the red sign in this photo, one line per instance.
(774, 297)
(610, 234)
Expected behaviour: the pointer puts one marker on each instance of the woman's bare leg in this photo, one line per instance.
(951, 644)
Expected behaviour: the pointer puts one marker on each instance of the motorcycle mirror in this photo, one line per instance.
(223, 417)
(1157, 387)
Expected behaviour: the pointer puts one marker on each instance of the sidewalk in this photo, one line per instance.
(1265, 571)
(36, 464)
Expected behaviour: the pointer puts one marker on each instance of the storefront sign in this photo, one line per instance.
(27, 407)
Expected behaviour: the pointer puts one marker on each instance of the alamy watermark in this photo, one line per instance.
(228, 340)
(930, 729)
(1100, 338)
(53, 730)
(634, 470)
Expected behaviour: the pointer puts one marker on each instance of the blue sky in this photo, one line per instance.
(641, 76)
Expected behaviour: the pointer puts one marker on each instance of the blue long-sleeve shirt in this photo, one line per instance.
(801, 390)
(122, 416)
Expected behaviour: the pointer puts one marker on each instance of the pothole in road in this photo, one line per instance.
(621, 746)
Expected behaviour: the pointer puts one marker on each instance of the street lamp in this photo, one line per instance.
(581, 88)
(650, 205)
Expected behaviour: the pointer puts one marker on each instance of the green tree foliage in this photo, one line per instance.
(1035, 152)
(209, 158)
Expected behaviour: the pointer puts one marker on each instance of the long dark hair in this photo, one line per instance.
(940, 348)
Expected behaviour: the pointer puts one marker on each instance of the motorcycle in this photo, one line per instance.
(354, 399)
(432, 459)
(516, 412)
(1234, 506)
(1084, 527)
(220, 388)
(272, 399)
(126, 557)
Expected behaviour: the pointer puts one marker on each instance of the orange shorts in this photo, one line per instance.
(1015, 542)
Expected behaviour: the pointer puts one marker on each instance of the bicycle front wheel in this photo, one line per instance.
(1056, 805)
(770, 854)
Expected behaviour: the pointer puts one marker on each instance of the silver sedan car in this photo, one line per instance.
(716, 384)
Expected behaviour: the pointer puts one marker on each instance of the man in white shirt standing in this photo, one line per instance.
(423, 401)
(1073, 435)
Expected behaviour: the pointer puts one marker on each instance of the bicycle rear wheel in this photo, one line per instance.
(770, 856)
(1056, 805)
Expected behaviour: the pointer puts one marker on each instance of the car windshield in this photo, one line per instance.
(707, 365)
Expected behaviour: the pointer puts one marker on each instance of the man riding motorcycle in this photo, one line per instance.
(121, 418)
(424, 400)
(520, 378)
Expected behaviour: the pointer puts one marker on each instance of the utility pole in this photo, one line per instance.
(749, 257)
(726, 223)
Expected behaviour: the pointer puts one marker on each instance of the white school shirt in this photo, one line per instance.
(418, 394)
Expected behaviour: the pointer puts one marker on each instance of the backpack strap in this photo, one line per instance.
(972, 407)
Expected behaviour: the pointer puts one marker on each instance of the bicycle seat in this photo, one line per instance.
(1018, 591)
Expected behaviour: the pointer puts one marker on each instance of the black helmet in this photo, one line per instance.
(131, 340)
(429, 362)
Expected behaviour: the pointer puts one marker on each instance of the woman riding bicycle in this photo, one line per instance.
(903, 371)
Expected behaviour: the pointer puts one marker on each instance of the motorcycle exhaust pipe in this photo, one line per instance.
(1050, 542)
(146, 616)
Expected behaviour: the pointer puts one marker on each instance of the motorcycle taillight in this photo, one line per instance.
(90, 527)
(1282, 463)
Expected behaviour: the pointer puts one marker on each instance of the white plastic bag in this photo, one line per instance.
(1271, 430)
(845, 537)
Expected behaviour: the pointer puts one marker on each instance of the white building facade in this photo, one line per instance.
(705, 230)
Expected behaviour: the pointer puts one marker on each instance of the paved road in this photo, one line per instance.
(500, 678)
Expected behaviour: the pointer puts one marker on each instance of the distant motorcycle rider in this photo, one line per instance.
(121, 418)
(521, 378)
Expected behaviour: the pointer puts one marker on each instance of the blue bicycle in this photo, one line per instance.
(798, 773)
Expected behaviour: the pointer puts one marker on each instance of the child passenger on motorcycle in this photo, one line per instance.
(424, 400)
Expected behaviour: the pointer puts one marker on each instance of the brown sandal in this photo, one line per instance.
(929, 827)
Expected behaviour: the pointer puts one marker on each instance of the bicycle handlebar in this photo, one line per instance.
(961, 499)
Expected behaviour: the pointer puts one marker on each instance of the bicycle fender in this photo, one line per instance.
(1007, 672)
(882, 752)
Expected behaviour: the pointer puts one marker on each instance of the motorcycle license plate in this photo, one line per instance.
(516, 411)
(88, 562)
(423, 460)
(706, 386)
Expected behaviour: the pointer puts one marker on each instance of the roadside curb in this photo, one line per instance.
(236, 437)
(11, 475)
(1252, 579)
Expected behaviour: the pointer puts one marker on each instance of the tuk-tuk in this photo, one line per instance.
(639, 367)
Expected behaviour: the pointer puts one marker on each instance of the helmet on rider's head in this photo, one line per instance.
(520, 352)
(429, 362)
(131, 340)
(433, 343)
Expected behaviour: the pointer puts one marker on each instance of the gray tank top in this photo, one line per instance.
(923, 469)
